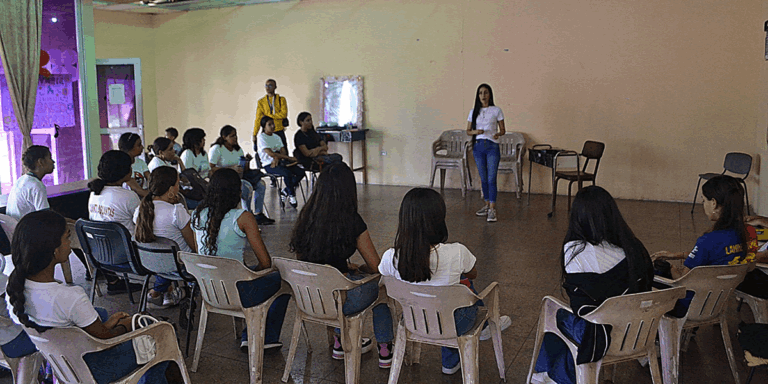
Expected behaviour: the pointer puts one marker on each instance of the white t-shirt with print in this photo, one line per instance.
(56, 305)
(27, 195)
(265, 141)
(220, 156)
(447, 262)
(158, 162)
(488, 120)
(114, 204)
(199, 163)
(138, 167)
(170, 219)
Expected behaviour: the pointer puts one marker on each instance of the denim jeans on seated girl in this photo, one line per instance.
(487, 157)
(255, 292)
(257, 190)
(360, 298)
(119, 361)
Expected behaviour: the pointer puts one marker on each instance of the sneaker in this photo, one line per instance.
(483, 211)
(244, 346)
(292, 200)
(262, 219)
(283, 195)
(491, 215)
(155, 302)
(119, 287)
(274, 345)
(541, 378)
(338, 351)
(385, 355)
(504, 321)
(451, 371)
(173, 297)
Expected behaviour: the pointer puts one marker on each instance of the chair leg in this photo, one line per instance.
(442, 179)
(497, 349)
(297, 325)
(729, 348)
(469, 356)
(695, 195)
(256, 321)
(746, 195)
(306, 338)
(588, 373)
(200, 336)
(128, 287)
(653, 361)
(235, 327)
(751, 373)
(144, 293)
(463, 182)
(350, 341)
(95, 285)
(191, 310)
(398, 354)
(670, 332)
(569, 195)
(432, 176)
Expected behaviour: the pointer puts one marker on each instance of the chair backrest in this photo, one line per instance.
(454, 142)
(64, 348)
(713, 285)
(511, 146)
(427, 310)
(738, 163)
(159, 256)
(313, 286)
(108, 243)
(634, 319)
(592, 150)
(8, 224)
(217, 278)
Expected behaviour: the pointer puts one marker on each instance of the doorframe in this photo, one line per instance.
(136, 62)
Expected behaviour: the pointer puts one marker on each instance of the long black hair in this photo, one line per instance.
(35, 240)
(421, 226)
(224, 132)
(595, 218)
(479, 105)
(326, 223)
(729, 196)
(113, 167)
(160, 181)
(33, 154)
(223, 196)
(192, 139)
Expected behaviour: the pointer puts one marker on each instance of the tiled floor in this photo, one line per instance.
(520, 251)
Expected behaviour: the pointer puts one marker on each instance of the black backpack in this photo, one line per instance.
(193, 187)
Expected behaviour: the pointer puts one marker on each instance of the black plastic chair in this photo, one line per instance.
(592, 150)
(109, 247)
(160, 259)
(736, 163)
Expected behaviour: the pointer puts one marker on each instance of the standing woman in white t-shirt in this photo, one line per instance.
(422, 256)
(35, 300)
(486, 124)
(165, 155)
(130, 143)
(162, 215)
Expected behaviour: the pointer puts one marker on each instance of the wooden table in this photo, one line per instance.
(350, 136)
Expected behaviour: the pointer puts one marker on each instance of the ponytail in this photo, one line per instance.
(113, 167)
(97, 185)
(35, 240)
(145, 222)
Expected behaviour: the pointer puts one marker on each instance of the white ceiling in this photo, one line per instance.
(169, 6)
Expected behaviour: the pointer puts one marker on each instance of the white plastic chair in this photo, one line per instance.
(713, 286)
(450, 152)
(428, 318)
(758, 306)
(24, 369)
(217, 278)
(64, 349)
(634, 321)
(512, 147)
(320, 292)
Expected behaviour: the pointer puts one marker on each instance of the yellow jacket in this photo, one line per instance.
(263, 109)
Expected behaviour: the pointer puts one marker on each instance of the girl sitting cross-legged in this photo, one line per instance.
(422, 256)
(223, 229)
(160, 214)
(37, 301)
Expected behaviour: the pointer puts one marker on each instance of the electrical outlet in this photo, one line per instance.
(383, 153)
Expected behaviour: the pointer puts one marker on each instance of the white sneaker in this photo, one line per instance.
(483, 211)
(292, 200)
(173, 297)
(491, 215)
(542, 378)
(504, 321)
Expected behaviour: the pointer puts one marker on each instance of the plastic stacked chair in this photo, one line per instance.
(450, 152)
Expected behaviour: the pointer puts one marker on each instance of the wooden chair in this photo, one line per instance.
(428, 318)
(592, 150)
(217, 278)
(712, 286)
(634, 321)
(450, 152)
(320, 292)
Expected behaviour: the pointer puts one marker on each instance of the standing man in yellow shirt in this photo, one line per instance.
(274, 106)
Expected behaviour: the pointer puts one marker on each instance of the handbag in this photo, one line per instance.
(144, 345)
(193, 186)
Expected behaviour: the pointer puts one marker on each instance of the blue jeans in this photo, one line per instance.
(255, 292)
(247, 189)
(554, 357)
(487, 157)
(114, 363)
(360, 298)
(291, 175)
(19, 347)
(464, 319)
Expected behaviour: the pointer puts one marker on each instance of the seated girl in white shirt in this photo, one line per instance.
(275, 160)
(161, 215)
(28, 193)
(421, 256)
(194, 156)
(165, 155)
(37, 301)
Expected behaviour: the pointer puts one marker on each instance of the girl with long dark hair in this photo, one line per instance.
(222, 229)
(161, 215)
(40, 241)
(328, 231)
(130, 143)
(227, 153)
(422, 256)
(486, 125)
(28, 193)
(311, 150)
(193, 154)
(601, 258)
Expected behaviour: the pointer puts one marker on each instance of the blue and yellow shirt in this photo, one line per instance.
(722, 248)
